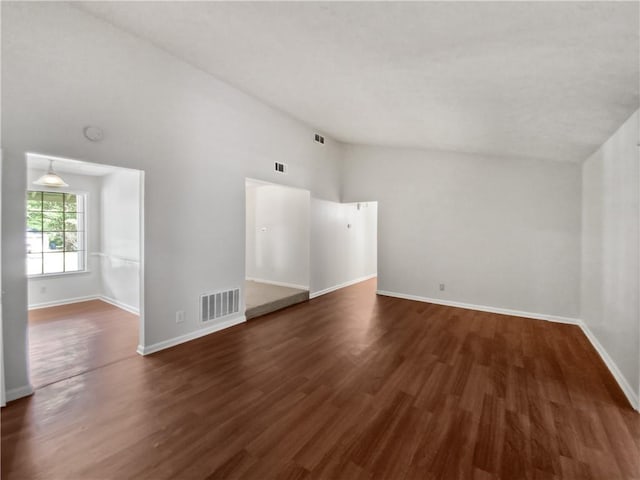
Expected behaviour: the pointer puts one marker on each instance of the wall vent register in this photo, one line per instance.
(319, 139)
(219, 304)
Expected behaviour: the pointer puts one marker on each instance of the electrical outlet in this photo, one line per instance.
(180, 316)
(442, 287)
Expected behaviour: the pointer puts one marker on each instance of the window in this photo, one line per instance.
(55, 233)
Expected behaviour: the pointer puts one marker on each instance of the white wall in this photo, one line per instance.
(58, 288)
(196, 138)
(120, 245)
(277, 247)
(610, 241)
(344, 239)
(250, 228)
(498, 232)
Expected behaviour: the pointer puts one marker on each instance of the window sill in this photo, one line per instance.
(59, 274)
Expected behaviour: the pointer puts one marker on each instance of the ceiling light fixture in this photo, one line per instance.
(51, 178)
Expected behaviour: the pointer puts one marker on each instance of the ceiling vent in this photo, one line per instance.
(219, 304)
(319, 139)
(281, 167)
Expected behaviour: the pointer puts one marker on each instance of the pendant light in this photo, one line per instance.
(51, 178)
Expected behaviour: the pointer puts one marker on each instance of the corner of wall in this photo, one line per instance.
(19, 392)
(610, 190)
(632, 397)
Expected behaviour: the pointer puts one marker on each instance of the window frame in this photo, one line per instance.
(85, 251)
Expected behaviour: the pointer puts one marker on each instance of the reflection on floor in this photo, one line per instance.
(262, 298)
(67, 340)
(348, 385)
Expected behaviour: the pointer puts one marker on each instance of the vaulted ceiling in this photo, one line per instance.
(534, 79)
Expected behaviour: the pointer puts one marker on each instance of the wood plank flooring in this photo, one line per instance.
(346, 386)
(71, 339)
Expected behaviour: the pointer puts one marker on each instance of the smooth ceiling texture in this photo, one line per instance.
(533, 79)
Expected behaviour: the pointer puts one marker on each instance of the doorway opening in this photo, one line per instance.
(84, 255)
(277, 247)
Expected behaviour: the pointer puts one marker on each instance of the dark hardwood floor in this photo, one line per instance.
(71, 339)
(346, 386)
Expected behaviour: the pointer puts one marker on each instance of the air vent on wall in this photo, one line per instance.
(219, 304)
(281, 167)
(319, 139)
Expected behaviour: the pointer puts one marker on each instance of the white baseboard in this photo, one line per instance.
(16, 393)
(483, 308)
(146, 350)
(613, 368)
(611, 365)
(117, 303)
(342, 285)
(279, 284)
(66, 301)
